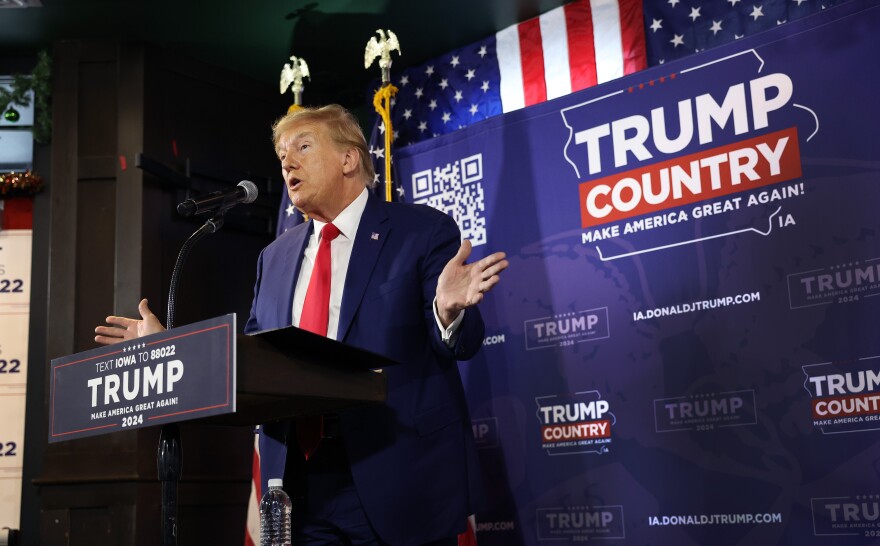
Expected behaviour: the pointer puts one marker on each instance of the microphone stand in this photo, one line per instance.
(211, 226)
(169, 456)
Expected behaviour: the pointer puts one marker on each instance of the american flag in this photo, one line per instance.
(676, 28)
(288, 216)
(377, 154)
(252, 524)
(564, 50)
(268, 462)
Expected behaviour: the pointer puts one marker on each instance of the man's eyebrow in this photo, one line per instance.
(284, 143)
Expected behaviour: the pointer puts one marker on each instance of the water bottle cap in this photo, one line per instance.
(276, 482)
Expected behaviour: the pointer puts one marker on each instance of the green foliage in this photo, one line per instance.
(38, 80)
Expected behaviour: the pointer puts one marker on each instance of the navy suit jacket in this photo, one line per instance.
(413, 458)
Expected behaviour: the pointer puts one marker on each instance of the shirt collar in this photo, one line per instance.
(347, 221)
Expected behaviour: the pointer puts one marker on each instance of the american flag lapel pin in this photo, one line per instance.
(374, 236)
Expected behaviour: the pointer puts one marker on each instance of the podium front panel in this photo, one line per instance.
(184, 373)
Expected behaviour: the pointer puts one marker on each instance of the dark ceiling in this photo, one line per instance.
(256, 37)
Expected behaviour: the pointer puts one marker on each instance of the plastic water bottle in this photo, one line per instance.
(275, 508)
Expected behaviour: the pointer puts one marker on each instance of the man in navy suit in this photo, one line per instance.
(405, 472)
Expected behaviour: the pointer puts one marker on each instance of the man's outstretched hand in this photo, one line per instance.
(126, 329)
(462, 285)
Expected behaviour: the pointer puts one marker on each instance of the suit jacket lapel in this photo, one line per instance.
(292, 259)
(371, 236)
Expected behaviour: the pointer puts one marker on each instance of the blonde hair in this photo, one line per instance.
(342, 128)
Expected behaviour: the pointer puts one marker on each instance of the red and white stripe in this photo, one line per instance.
(469, 537)
(252, 528)
(570, 48)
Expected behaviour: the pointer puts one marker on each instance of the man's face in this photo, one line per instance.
(313, 169)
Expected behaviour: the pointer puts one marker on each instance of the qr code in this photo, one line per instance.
(455, 189)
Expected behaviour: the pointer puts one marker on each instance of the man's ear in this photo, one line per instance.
(351, 161)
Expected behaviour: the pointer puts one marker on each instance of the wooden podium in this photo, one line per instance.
(289, 372)
(213, 377)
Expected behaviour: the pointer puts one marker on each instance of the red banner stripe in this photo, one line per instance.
(581, 49)
(532, 58)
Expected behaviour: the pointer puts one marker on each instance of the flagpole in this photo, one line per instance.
(382, 49)
(382, 104)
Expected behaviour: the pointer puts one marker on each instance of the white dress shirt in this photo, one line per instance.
(340, 255)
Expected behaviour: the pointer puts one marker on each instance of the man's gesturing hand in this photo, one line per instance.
(461, 285)
(126, 329)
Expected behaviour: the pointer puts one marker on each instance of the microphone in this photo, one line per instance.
(245, 192)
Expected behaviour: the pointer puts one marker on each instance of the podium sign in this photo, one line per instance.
(181, 374)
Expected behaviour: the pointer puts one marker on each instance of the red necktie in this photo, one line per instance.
(316, 309)
(314, 318)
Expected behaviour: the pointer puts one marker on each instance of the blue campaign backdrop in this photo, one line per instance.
(684, 348)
